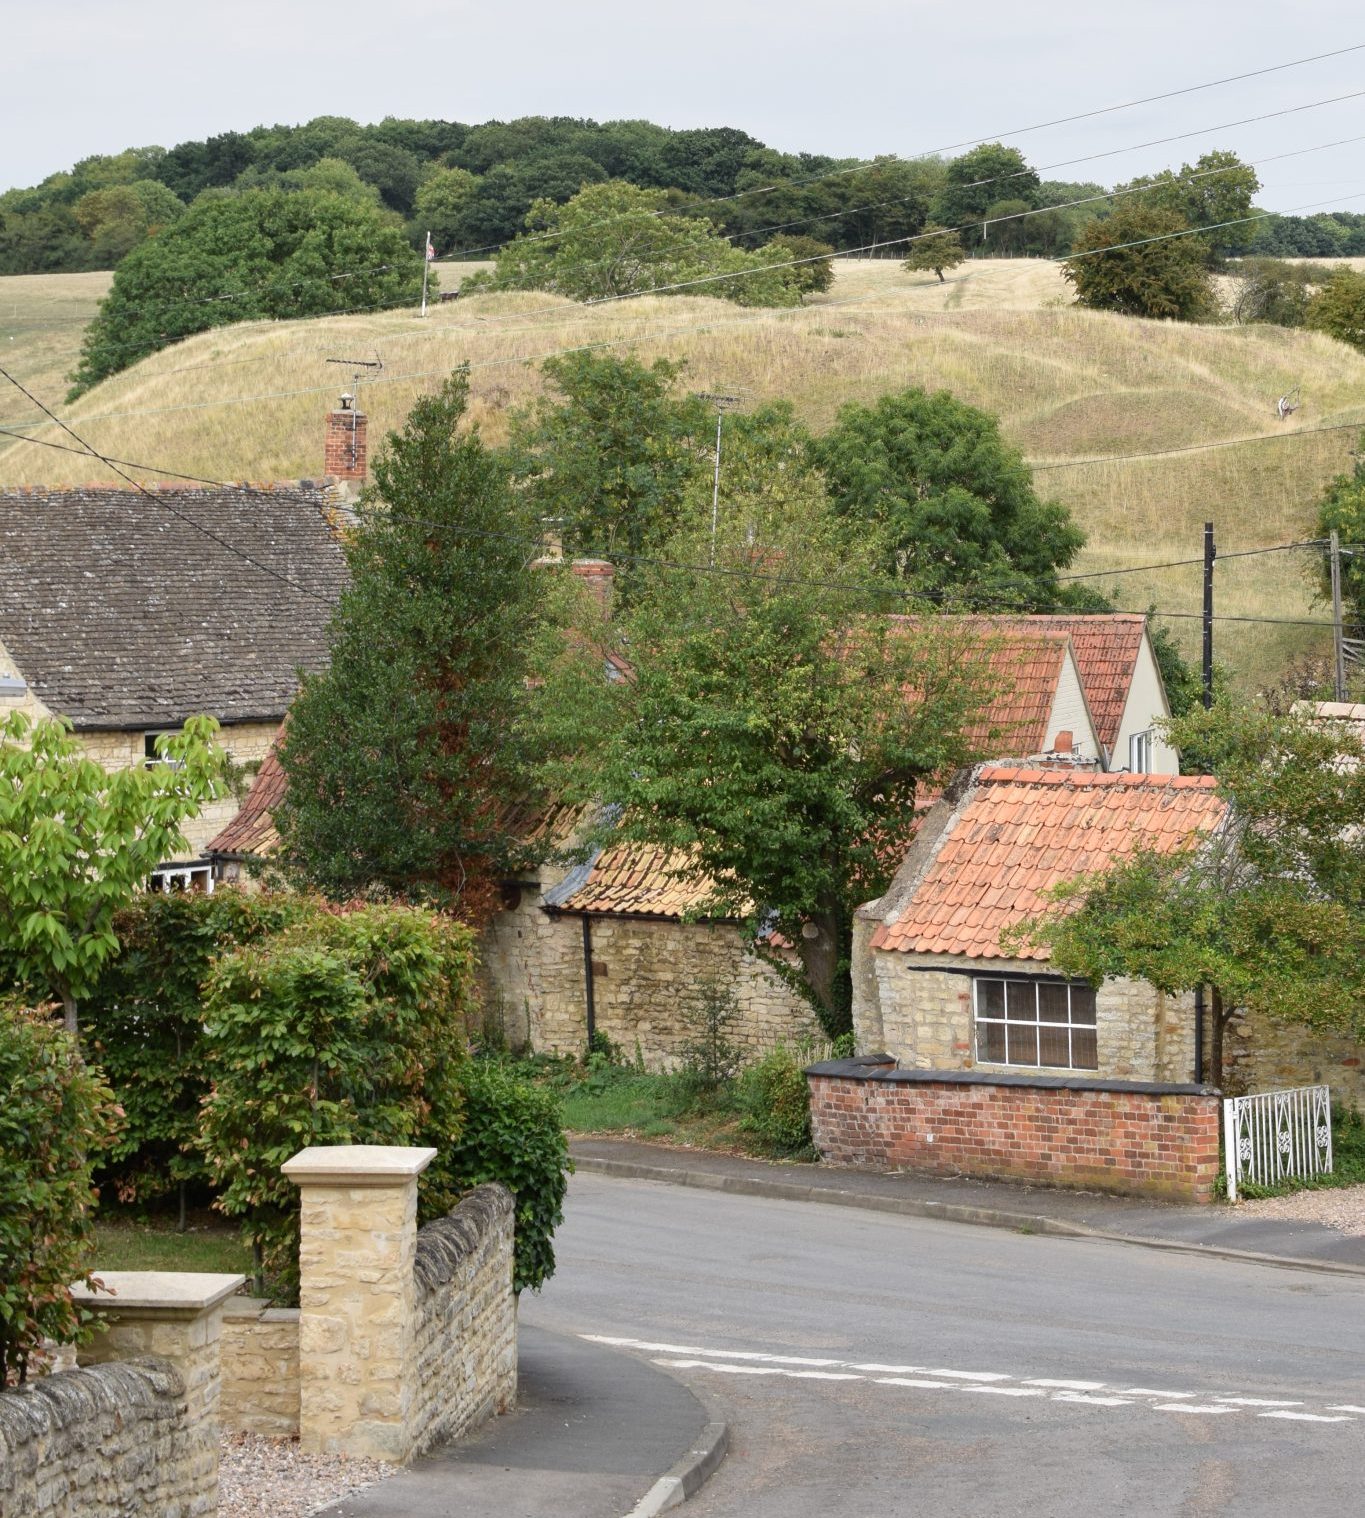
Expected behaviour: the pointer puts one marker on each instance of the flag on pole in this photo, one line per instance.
(431, 252)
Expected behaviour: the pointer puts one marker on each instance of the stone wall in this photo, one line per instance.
(103, 1442)
(1153, 1140)
(465, 1341)
(260, 1368)
(646, 974)
(918, 1007)
(1262, 1055)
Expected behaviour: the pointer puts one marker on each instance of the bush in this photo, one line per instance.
(344, 1028)
(513, 1134)
(55, 1115)
(775, 1098)
(709, 1058)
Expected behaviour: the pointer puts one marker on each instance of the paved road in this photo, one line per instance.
(872, 1364)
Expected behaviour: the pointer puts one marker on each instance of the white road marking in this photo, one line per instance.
(1305, 1417)
(744, 1362)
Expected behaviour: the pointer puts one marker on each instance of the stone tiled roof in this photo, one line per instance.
(1106, 648)
(1015, 833)
(631, 880)
(122, 613)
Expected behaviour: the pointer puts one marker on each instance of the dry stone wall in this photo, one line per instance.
(465, 1338)
(103, 1442)
(260, 1368)
(646, 974)
(1260, 1054)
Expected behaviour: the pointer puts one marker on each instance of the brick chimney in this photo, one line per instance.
(597, 575)
(344, 453)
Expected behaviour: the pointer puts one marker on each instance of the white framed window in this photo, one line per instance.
(1140, 752)
(1045, 1024)
(151, 757)
(193, 875)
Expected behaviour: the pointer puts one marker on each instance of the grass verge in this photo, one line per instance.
(209, 1243)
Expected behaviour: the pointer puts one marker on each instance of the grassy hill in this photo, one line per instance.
(247, 402)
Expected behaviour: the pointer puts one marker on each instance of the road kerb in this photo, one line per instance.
(947, 1212)
(688, 1476)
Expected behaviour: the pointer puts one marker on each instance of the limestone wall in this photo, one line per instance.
(465, 1339)
(918, 1007)
(1262, 1055)
(646, 974)
(260, 1368)
(103, 1442)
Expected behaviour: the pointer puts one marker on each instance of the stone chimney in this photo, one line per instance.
(597, 575)
(344, 454)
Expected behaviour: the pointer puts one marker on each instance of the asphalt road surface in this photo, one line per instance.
(871, 1364)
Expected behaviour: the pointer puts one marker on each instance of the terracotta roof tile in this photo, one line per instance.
(251, 833)
(1021, 831)
(1106, 648)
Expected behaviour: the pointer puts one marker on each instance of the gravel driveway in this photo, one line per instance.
(1342, 1208)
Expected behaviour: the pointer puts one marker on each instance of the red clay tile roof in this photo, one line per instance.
(636, 880)
(1027, 666)
(251, 833)
(1019, 832)
(1106, 648)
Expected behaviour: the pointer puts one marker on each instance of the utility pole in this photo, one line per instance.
(428, 253)
(1210, 554)
(721, 401)
(1338, 632)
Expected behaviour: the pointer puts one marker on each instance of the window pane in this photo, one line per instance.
(1023, 1002)
(1052, 1048)
(990, 1042)
(1084, 1054)
(1023, 1045)
(1052, 1002)
(1083, 1005)
(990, 998)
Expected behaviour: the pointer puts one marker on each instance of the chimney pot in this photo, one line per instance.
(1064, 742)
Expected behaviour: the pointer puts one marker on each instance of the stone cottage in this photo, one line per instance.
(126, 615)
(935, 987)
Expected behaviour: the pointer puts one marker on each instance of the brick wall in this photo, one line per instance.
(344, 449)
(1155, 1140)
(260, 1368)
(103, 1442)
(465, 1338)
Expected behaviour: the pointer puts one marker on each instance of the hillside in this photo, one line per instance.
(248, 401)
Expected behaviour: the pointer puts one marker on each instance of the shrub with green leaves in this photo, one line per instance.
(55, 1116)
(344, 1028)
(513, 1134)
(775, 1098)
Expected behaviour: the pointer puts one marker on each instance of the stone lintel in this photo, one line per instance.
(160, 1294)
(357, 1165)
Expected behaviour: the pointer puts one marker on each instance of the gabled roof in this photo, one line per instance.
(630, 880)
(1106, 647)
(124, 612)
(251, 833)
(1027, 667)
(991, 855)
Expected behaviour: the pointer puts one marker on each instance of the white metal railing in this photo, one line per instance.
(1277, 1136)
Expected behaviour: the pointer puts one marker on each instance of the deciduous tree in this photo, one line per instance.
(1142, 261)
(936, 249)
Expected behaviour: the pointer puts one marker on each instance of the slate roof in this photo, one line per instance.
(1017, 832)
(1106, 648)
(630, 880)
(121, 613)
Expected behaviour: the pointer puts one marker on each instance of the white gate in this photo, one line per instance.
(1277, 1136)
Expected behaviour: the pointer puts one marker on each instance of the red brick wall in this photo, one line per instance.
(1103, 1135)
(337, 460)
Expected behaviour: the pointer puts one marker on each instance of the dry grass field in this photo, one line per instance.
(247, 402)
(42, 317)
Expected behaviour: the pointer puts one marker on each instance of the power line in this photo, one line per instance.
(165, 505)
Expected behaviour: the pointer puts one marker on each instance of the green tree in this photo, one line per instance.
(234, 258)
(613, 240)
(116, 220)
(936, 249)
(610, 454)
(765, 734)
(77, 841)
(948, 503)
(403, 756)
(440, 205)
(1267, 912)
(1341, 509)
(1141, 262)
(1338, 308)
(1217, 188)
(812, 261)
(976, 180)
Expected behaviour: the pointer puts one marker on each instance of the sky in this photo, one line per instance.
(852, 78)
